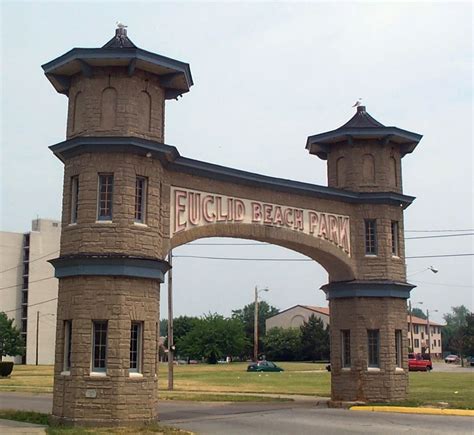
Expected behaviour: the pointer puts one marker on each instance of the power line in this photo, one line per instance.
(443, 284)
(32, 305)
(440, 256)
(30, 261)
(438, 231)
(436, 237)
(29, 282)
(203, 257)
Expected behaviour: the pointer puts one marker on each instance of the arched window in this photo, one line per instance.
(108, 108)
(368, 169)
(341, 172)
(77, 116)
(144, 111)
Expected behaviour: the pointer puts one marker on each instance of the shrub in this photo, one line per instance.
(5, 368)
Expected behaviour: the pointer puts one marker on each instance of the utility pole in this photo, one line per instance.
(429, 331)
(170, 322)
(37, 334)
(255, 320)
(255, 327)
(412, 346)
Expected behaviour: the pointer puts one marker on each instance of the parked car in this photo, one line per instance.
(451, 359)
(470, 360)
(419, 362)
(264, 366)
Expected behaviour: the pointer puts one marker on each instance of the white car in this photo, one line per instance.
(451, 359)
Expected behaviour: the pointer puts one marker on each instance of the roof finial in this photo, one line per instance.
(121, 33)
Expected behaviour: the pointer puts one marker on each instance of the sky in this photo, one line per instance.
(267, 75)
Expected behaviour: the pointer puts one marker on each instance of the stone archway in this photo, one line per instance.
(129, 198)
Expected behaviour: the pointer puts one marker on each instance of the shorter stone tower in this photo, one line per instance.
(369, 314)
(111, 260)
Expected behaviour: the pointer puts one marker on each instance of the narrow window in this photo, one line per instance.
(417, 343)
(74, 198)
(417, 331)
(140, 199)
(136, 332)
(67, 345)
(104, 209)
(398, 348)
(99, 346)
(370, 237)
(395, 252)
(373, 336)
(346, 347)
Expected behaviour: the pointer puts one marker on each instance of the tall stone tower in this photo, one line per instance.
(111, 260)
(368, 314)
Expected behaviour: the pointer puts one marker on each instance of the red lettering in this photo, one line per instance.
(267, 214)
(344, 234)
(278, 218)
(323, 226)
(256, 212)
(208, 217)
(179, 209)
(333, 229)
(299, 220)
(194, 208)
(313, 221)
(239, 210)
(286, 216)
(221, 217)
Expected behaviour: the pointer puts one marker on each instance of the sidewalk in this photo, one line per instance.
(19, 427)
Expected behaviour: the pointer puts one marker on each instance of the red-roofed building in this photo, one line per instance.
(295, 316)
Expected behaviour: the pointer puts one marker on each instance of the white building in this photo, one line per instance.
(28, 289)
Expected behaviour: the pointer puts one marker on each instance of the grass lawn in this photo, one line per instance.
(201, 380)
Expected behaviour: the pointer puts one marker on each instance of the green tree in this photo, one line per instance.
(212, 337)
(418, 312)
(181, 326)
(452, 332)
(11, 342)
(246, 315)
(314, 340)
(283, 344)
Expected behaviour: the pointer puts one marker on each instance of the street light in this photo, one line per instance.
(255, 326)
(431, 269)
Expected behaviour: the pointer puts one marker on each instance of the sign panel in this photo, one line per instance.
(193, 208)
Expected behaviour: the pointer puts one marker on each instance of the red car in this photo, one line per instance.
(419, 362)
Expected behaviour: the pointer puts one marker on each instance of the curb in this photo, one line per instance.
(408, 410)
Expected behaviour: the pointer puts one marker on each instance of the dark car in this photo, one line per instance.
(264, 366)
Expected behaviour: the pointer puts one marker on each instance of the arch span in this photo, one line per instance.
(339, 266)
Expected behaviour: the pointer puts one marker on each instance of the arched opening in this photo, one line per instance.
(368, 169)
(144, 111)
(108, 110)
(77, 116)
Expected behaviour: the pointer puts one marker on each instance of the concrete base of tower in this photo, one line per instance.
(369, 361)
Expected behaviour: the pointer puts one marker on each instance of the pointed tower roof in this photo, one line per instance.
(120, 51)
(362, 126)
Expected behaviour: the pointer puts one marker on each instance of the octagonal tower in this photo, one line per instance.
(110, 265)
(368, 314)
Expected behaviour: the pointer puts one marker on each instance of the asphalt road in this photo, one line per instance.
(299, 418)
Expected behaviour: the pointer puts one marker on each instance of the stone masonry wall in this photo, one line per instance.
(112, 103)
(122, 235)
(359, 382)
(118, 396)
